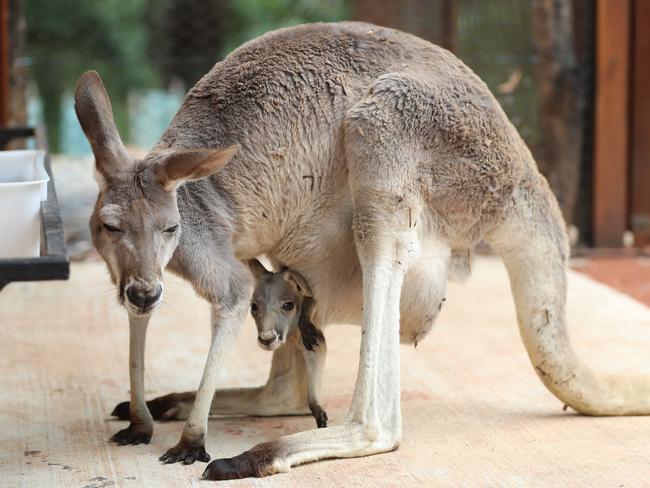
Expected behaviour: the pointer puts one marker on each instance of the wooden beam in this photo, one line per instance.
(640, 151)
(449, 27)
(611, 141)
(4, 62)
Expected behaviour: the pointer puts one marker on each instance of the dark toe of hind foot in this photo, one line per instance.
(257, 462)
(121, 411)
(175, 406)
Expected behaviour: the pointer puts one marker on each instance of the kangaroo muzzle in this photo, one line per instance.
(142, 299)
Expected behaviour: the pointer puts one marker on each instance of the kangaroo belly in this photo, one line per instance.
(423, 295)
(335, 278)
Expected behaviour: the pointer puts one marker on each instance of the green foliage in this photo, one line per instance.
(67, 37)
(251, 18)
(136, 44)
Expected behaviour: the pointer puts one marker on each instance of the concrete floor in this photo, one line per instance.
(474, 412)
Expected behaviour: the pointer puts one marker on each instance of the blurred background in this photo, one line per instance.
(569, 74)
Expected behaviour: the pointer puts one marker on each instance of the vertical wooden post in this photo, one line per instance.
(449, 27)
(640, 151)
(561, 97)
(611, 141)
(4, 62)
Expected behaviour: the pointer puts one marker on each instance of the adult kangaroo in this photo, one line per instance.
(365, 159)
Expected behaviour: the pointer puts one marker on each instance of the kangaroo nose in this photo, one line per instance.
(141, 298)
(267, 338)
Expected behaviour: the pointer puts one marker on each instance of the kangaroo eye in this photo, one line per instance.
(172, 229)
(287, 306)
(254, 307)
(110, 228)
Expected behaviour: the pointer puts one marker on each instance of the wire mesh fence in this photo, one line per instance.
(149, 52)
(143, 46)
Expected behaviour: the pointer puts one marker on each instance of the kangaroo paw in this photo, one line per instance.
(320, 415)
(134, 434)
(185, 453)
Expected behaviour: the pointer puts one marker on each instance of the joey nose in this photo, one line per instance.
(142, 298)
(267, 338)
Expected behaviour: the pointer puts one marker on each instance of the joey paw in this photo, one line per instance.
(319, 415)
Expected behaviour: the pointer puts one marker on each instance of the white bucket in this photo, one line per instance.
(23, 185)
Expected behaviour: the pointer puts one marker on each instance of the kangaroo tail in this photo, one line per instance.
(533, 245)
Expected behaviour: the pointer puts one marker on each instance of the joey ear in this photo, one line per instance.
(298, 281)
(257, 268)
(95, 115)
(193, 164)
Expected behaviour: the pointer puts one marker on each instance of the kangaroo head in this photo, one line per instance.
(277, 303)
(136, 224)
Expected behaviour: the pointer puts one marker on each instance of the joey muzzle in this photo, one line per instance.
(269, 339)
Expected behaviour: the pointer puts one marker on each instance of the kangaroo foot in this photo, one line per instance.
(175, 406)
(257, 462)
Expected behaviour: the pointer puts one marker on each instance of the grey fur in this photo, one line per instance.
(276, 325)
(367, 155)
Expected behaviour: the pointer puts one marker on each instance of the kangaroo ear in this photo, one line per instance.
(95, 115)
(257, 268)
(298, 281)
(193, 164)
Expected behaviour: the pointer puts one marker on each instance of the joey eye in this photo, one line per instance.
(288, 306)
(171, 229)
(254, 307)
(110, 228)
